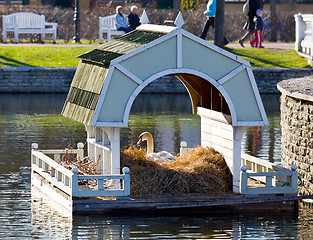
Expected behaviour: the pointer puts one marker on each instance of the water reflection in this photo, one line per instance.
(29, 118)
(52, 223)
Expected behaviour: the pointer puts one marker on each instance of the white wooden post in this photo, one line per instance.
(75, 182)
(126, 181)
(80, 151)
(244, 178)
(237, 136)
(183, 148)
(300, 31)
(294, 177)
(115, 151)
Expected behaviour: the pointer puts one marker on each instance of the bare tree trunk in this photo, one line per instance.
(273, 21)
(219, 23)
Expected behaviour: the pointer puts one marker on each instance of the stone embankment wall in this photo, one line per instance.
(38, 79)
(297, 129)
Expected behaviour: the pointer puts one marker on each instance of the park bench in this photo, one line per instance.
(27, 23)
(107, 26)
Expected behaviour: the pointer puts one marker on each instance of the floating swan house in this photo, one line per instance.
(108, 79)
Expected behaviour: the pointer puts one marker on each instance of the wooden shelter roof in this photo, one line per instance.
(91, 72)
(109, 78)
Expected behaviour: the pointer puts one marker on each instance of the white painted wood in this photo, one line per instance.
(144, 18)
(179, 21)
(175, 71)
(155, 28)
(238, 134)
(231, 74)
(257, 96)
(27, 23)
(179, 51)
(107, 26)
(67, 180)
(214, 47)
(129, 74)
(291, 188)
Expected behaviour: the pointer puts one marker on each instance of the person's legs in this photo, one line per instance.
(209, 22)
(254, 41)
(259, 44)
(205, 29)
(125, 29)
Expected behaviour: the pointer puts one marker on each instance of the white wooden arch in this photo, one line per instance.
(177, 39)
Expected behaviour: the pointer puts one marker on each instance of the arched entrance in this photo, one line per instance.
(221, 86)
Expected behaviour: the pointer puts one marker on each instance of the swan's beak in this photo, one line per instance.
(139, 141)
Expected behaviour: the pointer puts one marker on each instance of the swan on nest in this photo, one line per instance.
(160, 156)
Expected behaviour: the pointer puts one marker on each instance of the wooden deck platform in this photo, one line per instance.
(193, 204)
(224, 203)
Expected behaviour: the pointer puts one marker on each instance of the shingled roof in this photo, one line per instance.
(91, 72)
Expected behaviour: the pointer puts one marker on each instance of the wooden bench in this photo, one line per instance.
(27, 23)
(107, 26)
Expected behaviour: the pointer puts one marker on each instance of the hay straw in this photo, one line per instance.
(201, 171)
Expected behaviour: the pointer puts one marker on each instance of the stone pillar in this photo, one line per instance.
(297, 129)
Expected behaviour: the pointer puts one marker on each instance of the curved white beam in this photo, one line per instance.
(179, 71)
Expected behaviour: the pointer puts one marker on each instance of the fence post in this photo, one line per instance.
(75, 182)
(244, 179)
(183, 148)
(126, 181)
(80, 151)
(294, 177)
(34, 147)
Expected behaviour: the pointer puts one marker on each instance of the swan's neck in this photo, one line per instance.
(150, 144)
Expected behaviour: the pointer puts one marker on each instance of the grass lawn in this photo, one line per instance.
(41, 56)
(64, 56)
(270, 58)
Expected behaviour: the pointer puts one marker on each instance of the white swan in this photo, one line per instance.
(160, 156)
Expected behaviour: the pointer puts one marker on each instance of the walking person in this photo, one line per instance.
(210, 13)
(120, 20)
(254, 5)
(133, 18)
(259, 28)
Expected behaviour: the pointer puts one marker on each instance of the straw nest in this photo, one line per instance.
(201, 171)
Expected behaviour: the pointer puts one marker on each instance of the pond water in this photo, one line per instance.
(27, 118)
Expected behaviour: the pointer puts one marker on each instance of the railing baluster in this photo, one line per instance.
(268, 181)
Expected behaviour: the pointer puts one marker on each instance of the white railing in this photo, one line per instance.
(101, 154)
(304, 35)
(289, 187)
(68, 181)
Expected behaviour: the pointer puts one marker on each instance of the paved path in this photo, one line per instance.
(268, 45)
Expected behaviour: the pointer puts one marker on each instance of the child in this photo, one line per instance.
(258, 32)
(120, 20)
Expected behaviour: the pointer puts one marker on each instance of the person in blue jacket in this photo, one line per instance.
(120, 20)
(210, 13)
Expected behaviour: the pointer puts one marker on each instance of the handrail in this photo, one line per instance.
(68, 180)
(289, 187)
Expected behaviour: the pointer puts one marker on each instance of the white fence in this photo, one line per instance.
(304, 35)
(101, 154)
(289, 187)
(276, 179)
(68, 181)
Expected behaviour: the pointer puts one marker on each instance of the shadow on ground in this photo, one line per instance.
(9, 62)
